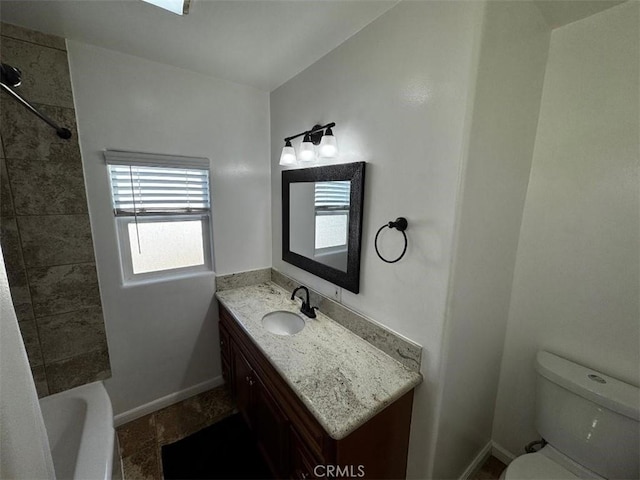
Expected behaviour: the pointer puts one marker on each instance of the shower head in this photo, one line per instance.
(11, 76)
(63, 133)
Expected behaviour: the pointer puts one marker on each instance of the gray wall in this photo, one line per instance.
(398, 91)
(511, 65)
(45, 233)
(163, 335)
(577, 272)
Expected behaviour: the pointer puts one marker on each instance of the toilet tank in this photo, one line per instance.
(588, 416)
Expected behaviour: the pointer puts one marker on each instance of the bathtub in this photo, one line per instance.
(79, 425)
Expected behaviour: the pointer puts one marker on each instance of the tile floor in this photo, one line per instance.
(491, 470)
(141, 439)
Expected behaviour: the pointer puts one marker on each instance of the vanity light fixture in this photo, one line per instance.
(288, 156)
(307, 149)
(321, 135)
(328, 145)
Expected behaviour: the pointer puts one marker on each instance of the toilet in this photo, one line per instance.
(590, 421)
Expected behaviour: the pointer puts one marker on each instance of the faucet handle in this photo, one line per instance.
(308, 310)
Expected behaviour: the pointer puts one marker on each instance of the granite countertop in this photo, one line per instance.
(342, 379)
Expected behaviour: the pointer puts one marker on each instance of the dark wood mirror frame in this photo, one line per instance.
(353, 172)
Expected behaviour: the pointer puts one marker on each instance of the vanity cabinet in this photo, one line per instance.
(289, 437)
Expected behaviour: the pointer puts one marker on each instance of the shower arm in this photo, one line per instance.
(61, 131)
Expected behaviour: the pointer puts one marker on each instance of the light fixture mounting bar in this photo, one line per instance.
(309, 132)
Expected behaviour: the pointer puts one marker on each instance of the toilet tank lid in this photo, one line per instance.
(590, 384)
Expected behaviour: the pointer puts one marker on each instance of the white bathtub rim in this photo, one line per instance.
(95, 455)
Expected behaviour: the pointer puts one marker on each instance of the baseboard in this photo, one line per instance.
(477, 462)
(501, 453)
(165, 401)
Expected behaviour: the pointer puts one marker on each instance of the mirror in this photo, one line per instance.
(322, 221)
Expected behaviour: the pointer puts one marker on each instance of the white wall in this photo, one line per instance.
(513, 54)
(163, 337)
(398, 92)
(576, 285)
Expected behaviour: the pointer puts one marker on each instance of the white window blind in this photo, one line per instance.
(332, 195)
(145, 184)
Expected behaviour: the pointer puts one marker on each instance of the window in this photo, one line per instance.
(332, 216)
(162, 208)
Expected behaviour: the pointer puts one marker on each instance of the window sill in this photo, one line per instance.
(177, 277)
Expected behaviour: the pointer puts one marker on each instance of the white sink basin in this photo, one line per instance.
(282, 322)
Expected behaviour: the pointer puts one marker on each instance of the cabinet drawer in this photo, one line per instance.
(303, 461)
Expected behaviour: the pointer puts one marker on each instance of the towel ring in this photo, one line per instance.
(401, 225)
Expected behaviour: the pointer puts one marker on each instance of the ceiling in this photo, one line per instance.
(561, 12)
(262, 43)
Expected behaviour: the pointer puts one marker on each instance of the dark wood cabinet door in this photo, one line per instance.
(290, 439)
(271, 428)
(243, 381)
(225, 342)
(225, 357)
(304, 464)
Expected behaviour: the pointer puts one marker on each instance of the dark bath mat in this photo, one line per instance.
(224, 450)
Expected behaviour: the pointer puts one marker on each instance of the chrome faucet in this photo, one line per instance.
(306, 307)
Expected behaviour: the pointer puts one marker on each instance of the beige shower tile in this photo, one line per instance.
(52, 187)
(21, 297)
(56, 239)
(45, 72)
(11, 251)
(6, 200)
(40, 379)
(79, 370)
(26, 136)
(63, 288)
(20, 33)
(16, 273)
(31, 342)
(71, 334)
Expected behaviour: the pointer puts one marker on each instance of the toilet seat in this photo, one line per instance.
(536, 466)
(546, 464)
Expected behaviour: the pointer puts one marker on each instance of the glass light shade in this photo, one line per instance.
(328, 146)
(307, 151)
(288, 156)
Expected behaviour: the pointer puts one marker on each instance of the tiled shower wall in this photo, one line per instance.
(44, 224)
